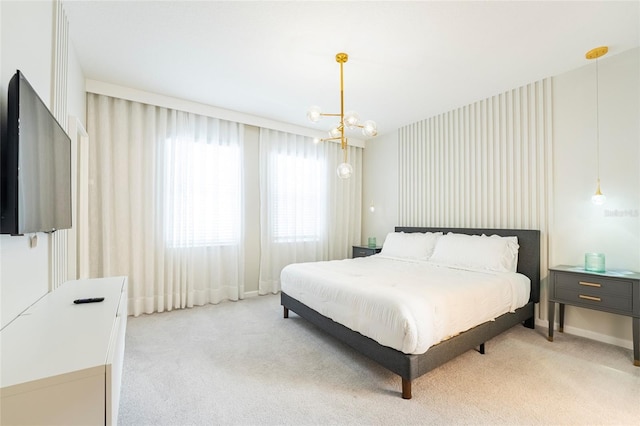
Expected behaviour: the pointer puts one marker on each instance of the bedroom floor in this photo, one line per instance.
(242, 363)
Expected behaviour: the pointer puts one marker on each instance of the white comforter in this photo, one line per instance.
(407, 305)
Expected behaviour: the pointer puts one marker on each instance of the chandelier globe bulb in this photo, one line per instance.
(351, 119)
(370, 128)
(344, 171)
(314, 114)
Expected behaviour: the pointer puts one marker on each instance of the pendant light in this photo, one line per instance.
(598, 198)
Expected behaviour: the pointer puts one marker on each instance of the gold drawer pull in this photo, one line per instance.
(590, 284)
(595, 299)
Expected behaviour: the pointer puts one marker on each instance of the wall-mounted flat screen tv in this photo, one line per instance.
(35, 161)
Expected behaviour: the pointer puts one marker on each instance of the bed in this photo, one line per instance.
(403, 359)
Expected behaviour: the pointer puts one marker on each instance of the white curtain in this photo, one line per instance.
(307, 212)
(165, 203)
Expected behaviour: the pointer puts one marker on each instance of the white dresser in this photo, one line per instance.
(62, 362)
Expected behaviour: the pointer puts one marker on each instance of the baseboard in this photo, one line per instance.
(588, 334)
(250, 294)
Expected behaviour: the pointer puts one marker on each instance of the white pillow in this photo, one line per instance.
(412, 245)
(477, 252)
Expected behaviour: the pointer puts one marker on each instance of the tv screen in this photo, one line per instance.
(36, 165)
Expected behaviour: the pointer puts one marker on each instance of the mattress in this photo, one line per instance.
(408, 305)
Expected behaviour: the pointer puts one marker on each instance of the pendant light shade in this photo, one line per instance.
(598, 198)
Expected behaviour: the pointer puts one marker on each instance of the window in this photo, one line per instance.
(299, 198)
(203, 199)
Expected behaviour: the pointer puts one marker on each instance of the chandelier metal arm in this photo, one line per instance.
(330, 139)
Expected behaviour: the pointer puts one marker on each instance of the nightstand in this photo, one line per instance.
(616, 292)
(364, 251)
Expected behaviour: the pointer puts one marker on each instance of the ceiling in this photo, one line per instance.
(407, 60)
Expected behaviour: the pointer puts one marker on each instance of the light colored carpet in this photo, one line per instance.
(242, 363)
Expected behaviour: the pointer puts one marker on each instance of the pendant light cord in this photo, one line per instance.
(597, 124)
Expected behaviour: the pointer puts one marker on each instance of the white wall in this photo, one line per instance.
(27, 29)
(380, 186)
(576, 226)
(27, 44)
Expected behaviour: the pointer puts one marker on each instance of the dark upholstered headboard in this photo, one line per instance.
(528, 254)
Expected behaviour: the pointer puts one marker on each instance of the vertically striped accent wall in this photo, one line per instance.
(58, 240)
(482, 165)
(487, 164)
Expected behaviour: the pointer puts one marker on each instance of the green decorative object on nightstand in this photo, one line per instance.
(594, 262)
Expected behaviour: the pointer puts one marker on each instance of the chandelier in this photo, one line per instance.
(348, 120)
(598, 198)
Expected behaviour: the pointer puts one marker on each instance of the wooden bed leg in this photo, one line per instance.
(406, 388)
(481, 348)
(286, 312)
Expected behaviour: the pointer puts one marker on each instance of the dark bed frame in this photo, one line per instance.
(410, 366)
